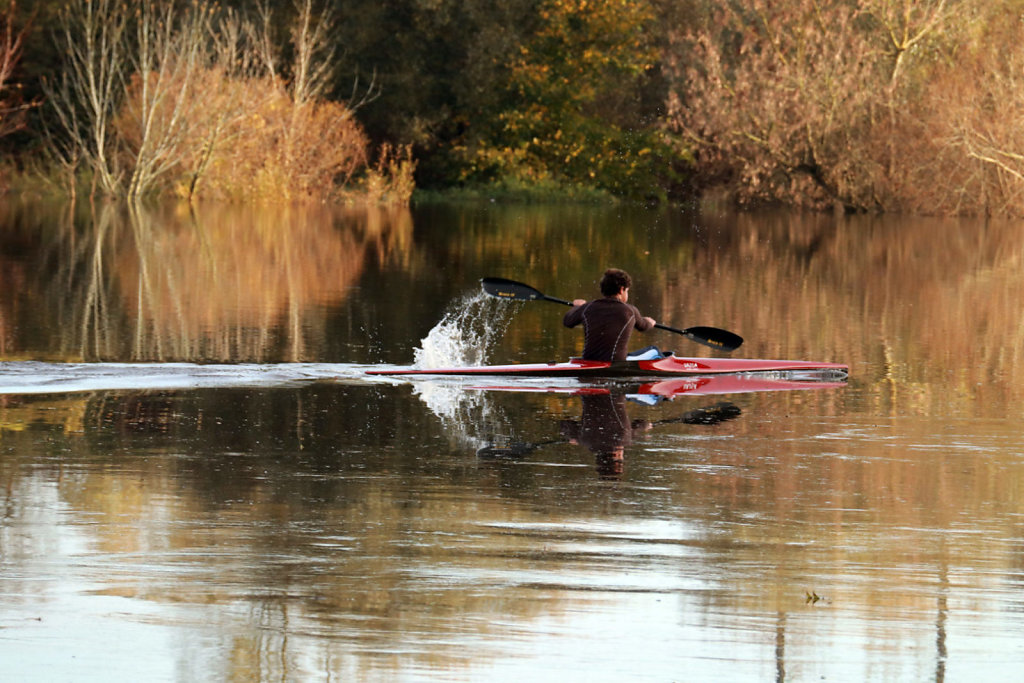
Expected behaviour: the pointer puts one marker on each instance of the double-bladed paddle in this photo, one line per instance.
(709, 336)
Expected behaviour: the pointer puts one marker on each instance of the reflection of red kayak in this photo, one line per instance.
(733, 384)
(696, 386)
(670, 366)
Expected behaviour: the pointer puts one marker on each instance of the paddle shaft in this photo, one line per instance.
(685, 333)
(709, 336)
(658, 325)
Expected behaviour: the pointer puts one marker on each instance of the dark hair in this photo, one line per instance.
(614, 281)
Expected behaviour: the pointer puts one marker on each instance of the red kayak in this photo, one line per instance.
(695, 386)
(669, 366)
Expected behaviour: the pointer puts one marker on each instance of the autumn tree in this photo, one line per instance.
(12, 109)
(970, 123)
(803, 101)
(188, 97)
(268, 128)
(565, 110)
(138, 67)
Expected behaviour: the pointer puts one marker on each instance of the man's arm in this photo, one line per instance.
(643, 322)
(575, 315)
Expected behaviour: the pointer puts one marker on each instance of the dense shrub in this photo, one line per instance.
(867, 104)
(250, 139)
(565, 107)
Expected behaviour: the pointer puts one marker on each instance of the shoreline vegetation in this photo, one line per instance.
(898, 106)
(190, 100)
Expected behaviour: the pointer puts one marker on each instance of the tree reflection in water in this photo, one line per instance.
(211, 283)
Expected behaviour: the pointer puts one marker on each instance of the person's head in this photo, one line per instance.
(614, 281)
(611, 464)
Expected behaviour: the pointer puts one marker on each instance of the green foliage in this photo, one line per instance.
(566, 111)
(564, 97)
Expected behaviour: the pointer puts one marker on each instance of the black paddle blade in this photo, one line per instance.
(712, 414)
(714, 337)
(509, 289)
(512, 450)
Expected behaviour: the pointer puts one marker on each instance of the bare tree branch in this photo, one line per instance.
(11, 41)
(314, 52)
(171, 52)
(88, 95)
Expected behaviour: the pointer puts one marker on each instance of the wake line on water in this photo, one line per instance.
(464, 336)
(32, 377)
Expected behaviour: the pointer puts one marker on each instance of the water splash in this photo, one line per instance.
(466, 333)
(464, 336)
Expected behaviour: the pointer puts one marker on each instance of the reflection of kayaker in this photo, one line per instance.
(605, 428)
(709, 415)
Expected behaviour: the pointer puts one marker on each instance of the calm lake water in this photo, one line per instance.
(199, 482)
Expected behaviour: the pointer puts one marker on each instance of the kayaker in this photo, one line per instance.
(608, 322)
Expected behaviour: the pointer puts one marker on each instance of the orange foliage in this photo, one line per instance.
(966, 133)
(11, 110)
(390, 179)
(776, 98)
(246, 137)
(294, 150)
(868, 104)
(242, 283)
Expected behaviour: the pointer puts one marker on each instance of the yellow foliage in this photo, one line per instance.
(390, 180)
(870, 105)
(247, 138)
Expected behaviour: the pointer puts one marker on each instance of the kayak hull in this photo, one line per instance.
(670, 388)
(669, 366)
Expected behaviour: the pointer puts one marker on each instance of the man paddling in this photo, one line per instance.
(608, 322)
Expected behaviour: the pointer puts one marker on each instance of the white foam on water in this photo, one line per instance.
(448, 401)
(465, 413)
(465, 334)
(31, 377)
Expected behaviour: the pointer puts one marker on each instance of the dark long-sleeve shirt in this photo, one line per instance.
(607, 324)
